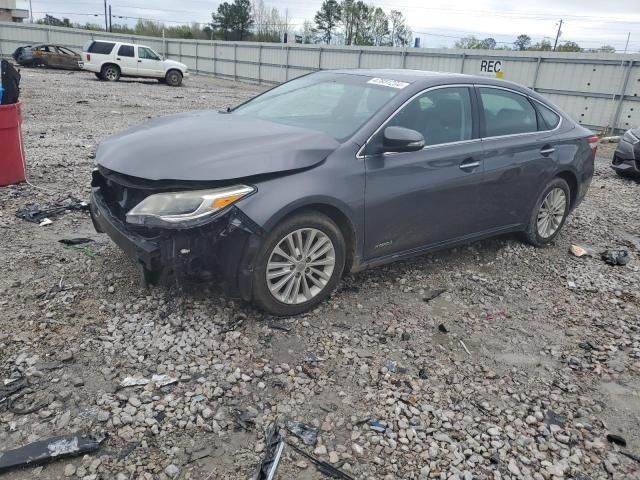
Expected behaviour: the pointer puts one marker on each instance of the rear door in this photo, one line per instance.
(126, 58)
(427, 197)
(149, 63)
(518, 156)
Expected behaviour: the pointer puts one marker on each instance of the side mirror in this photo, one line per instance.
(400, 139)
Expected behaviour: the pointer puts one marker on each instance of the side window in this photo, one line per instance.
(550, 119)
(507, 113)
(125, 51)
(144, 52)
(442, 115)
(101, 48)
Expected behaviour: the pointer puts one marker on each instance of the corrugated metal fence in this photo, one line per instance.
(598, 90)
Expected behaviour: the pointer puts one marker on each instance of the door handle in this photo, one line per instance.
(547, 150)
(139, 61)
(118, 58)
(469, 165)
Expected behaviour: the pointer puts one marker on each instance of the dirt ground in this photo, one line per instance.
(553, 361)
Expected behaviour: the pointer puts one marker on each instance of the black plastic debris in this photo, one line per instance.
(631, 456)
(616, 256)
(305, 432)
(75, 241)
(44, 451)
(36, 214)
(272, 453)
(435, 293)
(617, 439)
(443, 328)
(245, 419)
(423, 373)
(322, 466)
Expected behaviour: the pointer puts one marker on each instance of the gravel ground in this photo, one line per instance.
(553, 361)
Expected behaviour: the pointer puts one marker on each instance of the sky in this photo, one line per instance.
(437, 22)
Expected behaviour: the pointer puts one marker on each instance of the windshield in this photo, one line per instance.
(336, 104)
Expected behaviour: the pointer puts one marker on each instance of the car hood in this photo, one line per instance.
(208, 145)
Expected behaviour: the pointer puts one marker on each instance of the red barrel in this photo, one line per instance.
(11, 149)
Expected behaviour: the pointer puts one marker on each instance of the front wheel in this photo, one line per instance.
(98, 76)
(173, 78)
(299, 264)
(111, 73)
(549, 214)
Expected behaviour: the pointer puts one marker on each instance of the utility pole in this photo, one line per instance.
(110, 20)
(106, 19)
(627, 44)
(30, 12)
(557, 36)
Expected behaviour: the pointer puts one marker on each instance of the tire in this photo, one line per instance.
(555, 201)
(311, 230)
(98, 75)
(173, 78)
(110, 72)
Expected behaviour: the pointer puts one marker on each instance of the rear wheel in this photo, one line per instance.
(299, 264)
(110, 73)
(549, 213)
(173, 78)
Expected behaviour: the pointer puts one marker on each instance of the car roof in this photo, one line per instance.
(428, 78)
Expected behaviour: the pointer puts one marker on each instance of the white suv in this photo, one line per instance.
(112, 60)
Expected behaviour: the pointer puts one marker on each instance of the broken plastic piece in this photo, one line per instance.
(581, 251)
(273, 452)
(617, 439)
(53, 448)
(616, 256)
(376, 425)
(133, 382)
(163, 380)
(435, 293)
(75, 241)
(305, 432)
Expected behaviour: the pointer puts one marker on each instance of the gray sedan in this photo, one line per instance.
(335, 172)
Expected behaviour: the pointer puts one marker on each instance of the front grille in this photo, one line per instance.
(118, 198)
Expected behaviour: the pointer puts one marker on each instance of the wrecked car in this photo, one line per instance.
(626, 158)
(51, 56)
(335, 172)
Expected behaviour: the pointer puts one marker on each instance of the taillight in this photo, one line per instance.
(88, 57)
(593, 142)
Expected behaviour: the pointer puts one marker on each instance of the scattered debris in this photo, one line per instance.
(465, 348)
(422, 373)
(307, 433)
(631, 455)
(442, 327)
(53, 448)
(45, 222)
(322, 466)
(617, 439)
(280, 326)
(586, 345)
(435, 293)
(376, 425)
(616, 256)
(75, 241)
(163, 380)
(133, 382)
(35, 214)
(311, 357)
(245, 418)
(582, 251)
(552, 418)
(273, 452)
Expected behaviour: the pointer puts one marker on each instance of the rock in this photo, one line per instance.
(171, 471)
(69, 470)
(320, 450)
(334, 457)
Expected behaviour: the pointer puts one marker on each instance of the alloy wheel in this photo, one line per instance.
(551, 212)
(111, 74)
(300, 266)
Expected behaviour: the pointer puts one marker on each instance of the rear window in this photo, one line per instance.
(125, 51)
(550, 119)
(101, 48)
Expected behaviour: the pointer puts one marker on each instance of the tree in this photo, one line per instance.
(327, 19)
(233, 19)
(569, 47)
(488, 43)
(471, 42)
(606, 49)
(542, 46)
(307, 33)
(379, 27)
(400, 32)
(523, 42)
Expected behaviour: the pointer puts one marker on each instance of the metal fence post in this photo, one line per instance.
(320, 59)
(180, 51)
(235, 61)
(464, 57)
(286, 65)
(359, 58)
(197, 56)
(260, 65)
(623, 90)
(214, 58)
(535, 75)
(404, 58)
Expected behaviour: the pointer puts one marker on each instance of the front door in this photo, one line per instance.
(427, 197)
(149, 63)
(127, 60)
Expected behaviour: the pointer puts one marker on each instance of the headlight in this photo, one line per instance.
(630, 137)
(181, 209)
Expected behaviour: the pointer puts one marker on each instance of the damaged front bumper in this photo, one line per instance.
(626, 158)
(223, 248)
